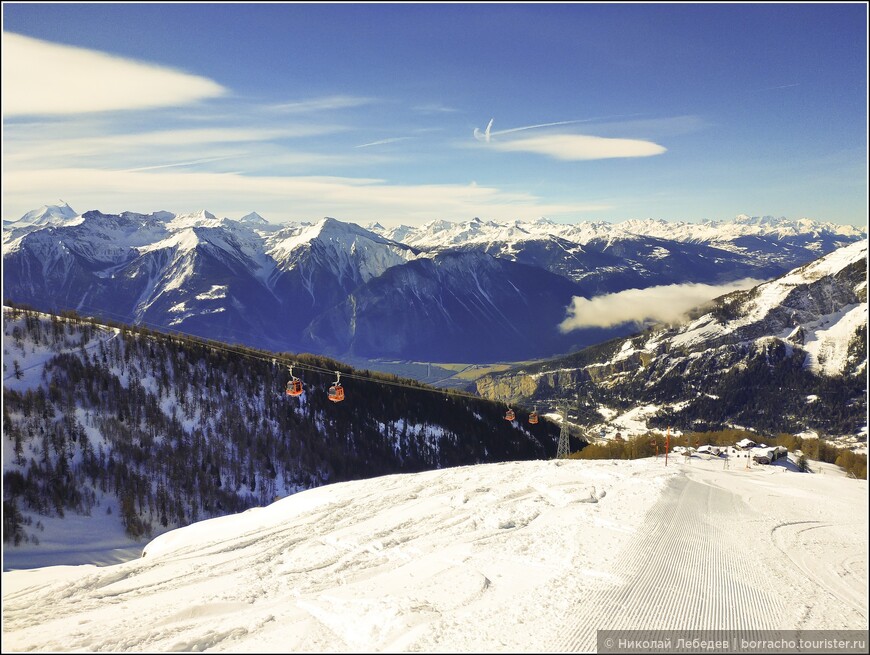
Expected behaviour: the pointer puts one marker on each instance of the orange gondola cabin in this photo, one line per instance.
(294, 385)
(533, 417)
(509, 416)
(336, 391)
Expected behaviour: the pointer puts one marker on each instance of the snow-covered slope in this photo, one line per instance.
(812, 303)
(514, 557)
(789, 354)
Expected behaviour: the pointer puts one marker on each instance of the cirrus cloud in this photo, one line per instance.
(309, 197)
(42, 78)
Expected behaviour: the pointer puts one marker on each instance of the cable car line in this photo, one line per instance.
(336, 391)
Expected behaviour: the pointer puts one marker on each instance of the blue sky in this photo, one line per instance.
(372, 112)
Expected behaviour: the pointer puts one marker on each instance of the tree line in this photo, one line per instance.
(651, 444)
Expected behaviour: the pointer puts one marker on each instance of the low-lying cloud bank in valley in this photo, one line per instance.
(660, 304)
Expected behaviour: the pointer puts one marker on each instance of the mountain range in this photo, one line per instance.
(161, 430)
(474, 291)
(788, 355)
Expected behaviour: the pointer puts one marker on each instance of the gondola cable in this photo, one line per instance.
(246, 351)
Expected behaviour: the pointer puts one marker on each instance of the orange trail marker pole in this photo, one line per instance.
(667, 444)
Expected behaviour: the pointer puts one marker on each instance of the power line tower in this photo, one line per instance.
(562, 450)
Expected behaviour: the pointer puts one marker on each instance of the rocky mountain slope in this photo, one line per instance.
(787, 355)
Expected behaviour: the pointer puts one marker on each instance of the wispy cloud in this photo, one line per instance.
(435, 109)
(325, 103)
(42, 78)
(306, 197)
(661, 304)
(228, 155)
(47, 145)
(574, 147)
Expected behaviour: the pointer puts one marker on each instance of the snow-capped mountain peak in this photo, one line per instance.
(348, 250)
(47, 215)
(254, 219)
(198, 218)
(744, 219)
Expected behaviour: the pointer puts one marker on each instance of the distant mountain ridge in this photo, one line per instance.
(446, 234)
(340, 289)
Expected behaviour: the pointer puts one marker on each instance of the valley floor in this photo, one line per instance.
(525, 556)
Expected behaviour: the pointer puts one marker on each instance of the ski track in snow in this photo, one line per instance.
(704, 559)
(687, 572)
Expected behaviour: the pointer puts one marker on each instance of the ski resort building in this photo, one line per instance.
(768, 454)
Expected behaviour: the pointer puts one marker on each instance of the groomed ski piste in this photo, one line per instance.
(521, 556)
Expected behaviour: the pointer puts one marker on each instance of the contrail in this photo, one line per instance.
(774, 88)
(534, 127)
(383, 141)
(485, 136)
(181, 163)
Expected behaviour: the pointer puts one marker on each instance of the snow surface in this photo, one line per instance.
(827, 344)
(520, 556)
